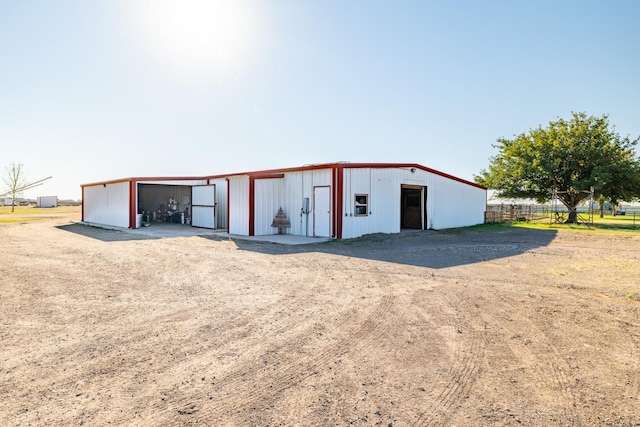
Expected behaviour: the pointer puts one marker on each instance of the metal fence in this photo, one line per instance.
(531, 212)
(515, 212)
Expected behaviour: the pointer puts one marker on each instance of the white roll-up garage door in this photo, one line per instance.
(203, 206)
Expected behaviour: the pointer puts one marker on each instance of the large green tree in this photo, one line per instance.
(570, 156)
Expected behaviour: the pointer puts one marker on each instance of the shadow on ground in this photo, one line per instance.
(432, 249)
(105, 234)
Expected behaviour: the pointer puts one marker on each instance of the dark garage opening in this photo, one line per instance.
(412, 205)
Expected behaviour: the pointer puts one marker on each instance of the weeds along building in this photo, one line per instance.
(339, 200)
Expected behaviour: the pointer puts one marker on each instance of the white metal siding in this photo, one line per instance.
(298, 186)
(203, 206)
(47, 201)
(221, 201)
(269, 196)
(383, 188)
(268, 199)
(203, 216)
(107, 204)
(239, 205)
(203, 195)
(455, 204)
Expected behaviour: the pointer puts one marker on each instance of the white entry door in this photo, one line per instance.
(203, 206)
(322, 211)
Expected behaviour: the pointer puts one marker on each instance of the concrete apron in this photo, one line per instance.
(161, 230)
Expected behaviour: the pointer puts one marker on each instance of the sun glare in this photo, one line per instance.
(195, 37)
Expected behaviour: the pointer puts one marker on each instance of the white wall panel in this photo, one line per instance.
(289, 193)
(383, 189)
(296, 186)
(203, 195)
(107, 204)
(455, 204)
(203, 216)
(238, 221)
(203, 206)
(221, 201)
(321, 177)
(268, 199)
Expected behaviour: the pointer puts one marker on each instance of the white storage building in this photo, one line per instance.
(128, 202)
(339, 200)
(47, 201)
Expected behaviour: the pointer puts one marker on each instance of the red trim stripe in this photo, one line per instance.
(140, 179)
(252, 205)
(267, 176)
(357, 166)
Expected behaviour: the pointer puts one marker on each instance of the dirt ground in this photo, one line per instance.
(505, 327)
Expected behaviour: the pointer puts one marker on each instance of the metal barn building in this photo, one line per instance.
(339, 200)
(126, 202)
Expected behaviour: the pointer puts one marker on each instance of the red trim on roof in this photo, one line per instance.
(347, 165)
(140, 179)
(267, 176)
(277, 171)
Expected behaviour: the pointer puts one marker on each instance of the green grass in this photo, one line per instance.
(30, 213)
(30, 210)
(12, 219)
(609, 224)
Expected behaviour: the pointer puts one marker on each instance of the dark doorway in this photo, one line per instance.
(411, 214)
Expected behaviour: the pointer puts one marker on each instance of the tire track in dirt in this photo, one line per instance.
(223, 339)
(536, 352)
(468, 336)
(549, 367)
(288, 376)
(111, 361)
(352, 331)
(182, 352)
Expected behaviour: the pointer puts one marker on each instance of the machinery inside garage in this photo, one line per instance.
(178, 204)
(164, 203)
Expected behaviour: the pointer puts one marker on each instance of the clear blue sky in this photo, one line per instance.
(104, 89)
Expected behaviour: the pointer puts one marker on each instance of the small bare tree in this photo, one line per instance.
(15, 181)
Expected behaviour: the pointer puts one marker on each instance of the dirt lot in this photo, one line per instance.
(509, 327)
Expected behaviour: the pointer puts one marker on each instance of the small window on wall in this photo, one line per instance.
(361, 205)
